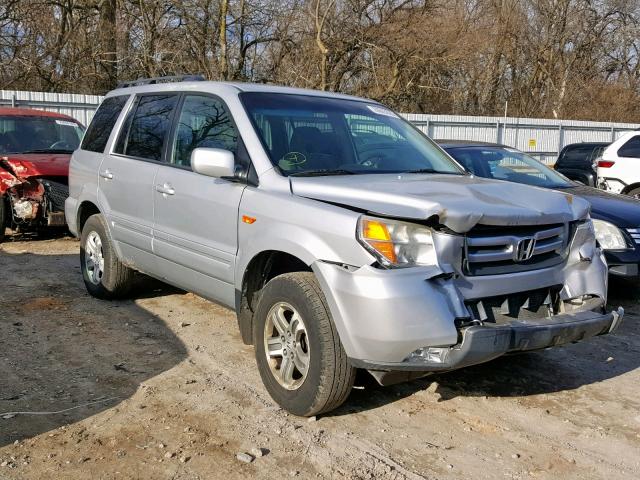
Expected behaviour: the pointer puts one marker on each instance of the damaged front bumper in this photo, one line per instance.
(481, 343)
(32, 200)
(426, 319)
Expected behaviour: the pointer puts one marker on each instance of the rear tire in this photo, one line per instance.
(104, 275)
(292, 319)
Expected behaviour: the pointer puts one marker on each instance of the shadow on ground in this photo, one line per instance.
(63, 351)
(548, 371)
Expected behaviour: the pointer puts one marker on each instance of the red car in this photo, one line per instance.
(35, 149)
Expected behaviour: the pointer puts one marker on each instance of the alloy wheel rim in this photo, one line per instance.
(286, 345)
(94, 258)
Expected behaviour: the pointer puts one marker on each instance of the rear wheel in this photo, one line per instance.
(299, 354)
(104, 275)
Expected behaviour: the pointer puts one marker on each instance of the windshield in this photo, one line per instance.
(508, 164)
(33, 134)
(307, 135)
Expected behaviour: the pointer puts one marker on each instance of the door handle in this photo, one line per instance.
(165, 189)
(107, 175)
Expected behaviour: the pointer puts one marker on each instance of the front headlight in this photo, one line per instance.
(609, 236)
(395, 243)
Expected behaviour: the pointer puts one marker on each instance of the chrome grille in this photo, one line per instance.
(491, 251)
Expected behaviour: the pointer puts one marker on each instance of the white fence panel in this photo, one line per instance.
(79, 106)
(542, 138)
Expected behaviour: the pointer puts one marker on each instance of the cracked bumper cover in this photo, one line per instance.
(384, 316)
(483, 343)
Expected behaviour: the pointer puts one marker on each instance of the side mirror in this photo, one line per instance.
(213, 162)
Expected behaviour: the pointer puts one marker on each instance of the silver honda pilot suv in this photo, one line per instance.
(341, 235)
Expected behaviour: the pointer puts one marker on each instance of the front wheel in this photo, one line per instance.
(104, 275)
(299, 354)
(4, 218)
(635, 193)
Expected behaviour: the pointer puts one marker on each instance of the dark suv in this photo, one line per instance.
(578, 161)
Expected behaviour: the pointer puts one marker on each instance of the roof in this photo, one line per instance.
(587, 144)
(30, 112)
(213, 87)
(466, 143)
(261, 87)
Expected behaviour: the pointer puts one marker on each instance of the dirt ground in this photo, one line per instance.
(161, 386)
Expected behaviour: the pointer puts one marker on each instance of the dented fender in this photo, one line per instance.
(385, 314)
(8, 177)
(19, 172)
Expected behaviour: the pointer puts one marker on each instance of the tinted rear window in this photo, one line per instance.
(577, 154)
(97, 135)
(148, 127)
(631, 148)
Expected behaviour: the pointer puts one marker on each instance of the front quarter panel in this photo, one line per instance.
(307, 229)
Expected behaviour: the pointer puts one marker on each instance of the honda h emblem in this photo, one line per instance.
(524, 249)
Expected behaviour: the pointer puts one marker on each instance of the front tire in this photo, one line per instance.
(4, 218)
(104, 275)
(299, 354)
(635, 193)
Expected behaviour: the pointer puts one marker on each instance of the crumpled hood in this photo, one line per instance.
(459, 202)
(16, 169)
(37, 164)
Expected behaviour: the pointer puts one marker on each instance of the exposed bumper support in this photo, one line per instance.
(483, 343)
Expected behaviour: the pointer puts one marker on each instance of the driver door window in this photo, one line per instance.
(203, 122)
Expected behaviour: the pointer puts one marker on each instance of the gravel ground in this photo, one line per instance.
(161, 386)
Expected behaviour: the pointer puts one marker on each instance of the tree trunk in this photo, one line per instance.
(222, 40)
(322, 47)
(108, 46)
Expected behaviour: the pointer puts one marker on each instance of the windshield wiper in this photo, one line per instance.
(321, 172)
(48, 150)
(431, 170)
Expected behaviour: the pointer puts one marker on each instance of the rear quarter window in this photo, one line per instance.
(631, 149)
(97, 135)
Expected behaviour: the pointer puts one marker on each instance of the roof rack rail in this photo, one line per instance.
(151, 81)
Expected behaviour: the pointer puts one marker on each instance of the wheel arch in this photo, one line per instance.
(262, 267)
(631, 187)
(85, 210)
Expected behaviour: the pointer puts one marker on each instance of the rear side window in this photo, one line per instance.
(204, 122)
(95, 139)
(145, 131)
(631, 148)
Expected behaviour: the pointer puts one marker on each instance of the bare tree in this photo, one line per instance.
(561, 58)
